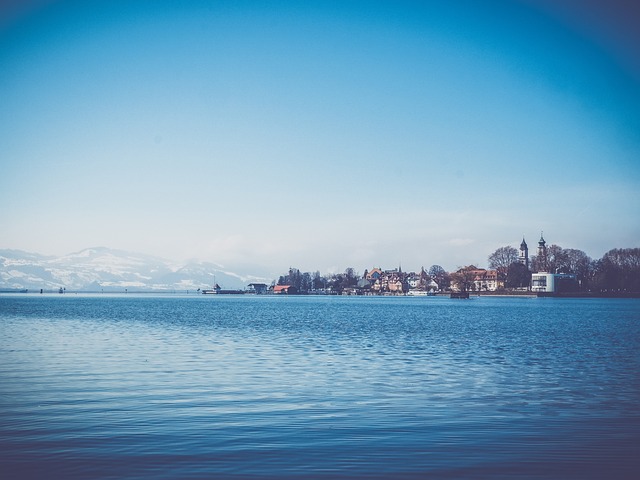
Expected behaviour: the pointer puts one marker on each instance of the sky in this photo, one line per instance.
(320, 134)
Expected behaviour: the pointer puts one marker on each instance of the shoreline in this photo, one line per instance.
(195, 293)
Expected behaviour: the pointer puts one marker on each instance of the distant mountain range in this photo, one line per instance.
(104, 269)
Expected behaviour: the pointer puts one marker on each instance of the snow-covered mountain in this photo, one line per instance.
(102, 269)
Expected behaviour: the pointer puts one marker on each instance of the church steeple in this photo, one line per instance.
(524, 254)
(542, 254)
(542, 246)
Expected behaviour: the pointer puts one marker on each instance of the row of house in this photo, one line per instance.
(468, 278)
(481, 280)
(378, 281)
(397, 282)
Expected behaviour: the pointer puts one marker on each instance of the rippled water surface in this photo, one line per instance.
(312, 387)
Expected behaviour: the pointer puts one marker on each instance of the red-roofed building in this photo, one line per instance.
(284, 290)
(485, 280)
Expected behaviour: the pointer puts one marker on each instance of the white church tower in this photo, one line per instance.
(524, 254)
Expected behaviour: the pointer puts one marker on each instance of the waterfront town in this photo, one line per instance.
(551, 271)
(545, 269)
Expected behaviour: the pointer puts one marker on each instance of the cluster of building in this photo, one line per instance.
(397, 282)
(544, 281)
(394, 282)
(471, 278)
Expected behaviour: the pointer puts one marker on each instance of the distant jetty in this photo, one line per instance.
(219, 291)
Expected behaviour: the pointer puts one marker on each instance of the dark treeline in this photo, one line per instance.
(309, 282)
(617, 271)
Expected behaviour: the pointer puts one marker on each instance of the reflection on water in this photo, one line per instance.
(194, 387)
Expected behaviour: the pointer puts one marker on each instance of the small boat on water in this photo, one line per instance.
(420, 293)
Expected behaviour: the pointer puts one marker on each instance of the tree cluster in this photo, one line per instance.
(617, 271)
(309, 282)
(440, 276)
(510, 271)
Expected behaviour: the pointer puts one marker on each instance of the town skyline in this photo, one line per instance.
(318, 134)
(94, 269)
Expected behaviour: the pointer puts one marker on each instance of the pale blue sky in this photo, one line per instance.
(321, 135)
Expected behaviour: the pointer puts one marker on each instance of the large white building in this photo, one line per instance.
(552, 282)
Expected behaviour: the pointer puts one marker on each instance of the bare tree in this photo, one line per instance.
(436, 270)
(351, 276)
(502, 259)
(619, 270)
(318, 281)
(556, 259)
(440, 276)
(577, 262)
(464, 278)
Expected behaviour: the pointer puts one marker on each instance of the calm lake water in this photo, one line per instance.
(318, 387)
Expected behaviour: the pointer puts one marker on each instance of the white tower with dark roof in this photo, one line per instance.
(542, 254)
(524, 254)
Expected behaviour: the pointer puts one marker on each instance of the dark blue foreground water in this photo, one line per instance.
(219, 387)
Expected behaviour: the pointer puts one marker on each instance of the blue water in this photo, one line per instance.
(318, 387)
